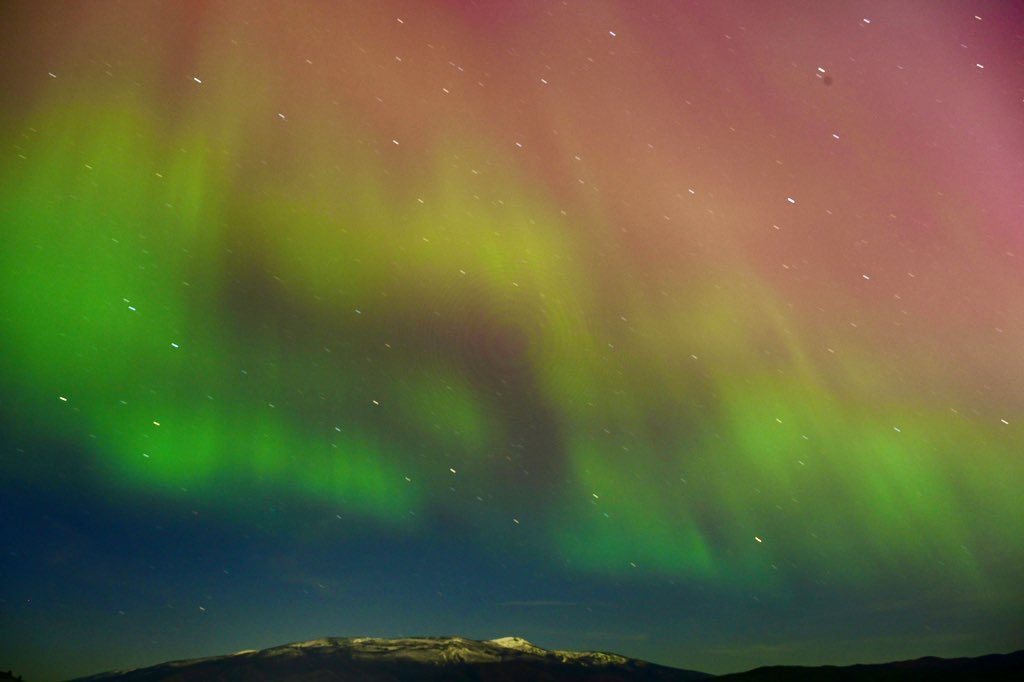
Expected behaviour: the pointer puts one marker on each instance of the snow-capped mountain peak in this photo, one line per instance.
(519, 644)
(413, 658)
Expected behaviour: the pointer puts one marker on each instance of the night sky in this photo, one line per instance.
(687, 330)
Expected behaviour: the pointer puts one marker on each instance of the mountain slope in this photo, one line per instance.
(991, 667)
(368, 659)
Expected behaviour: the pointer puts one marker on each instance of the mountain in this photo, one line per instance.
(991, 667)
(512, 659)
(369, 659)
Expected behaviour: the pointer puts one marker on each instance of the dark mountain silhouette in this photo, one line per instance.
(991, 667)
(366, 659)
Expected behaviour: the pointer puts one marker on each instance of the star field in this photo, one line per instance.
(685, 330)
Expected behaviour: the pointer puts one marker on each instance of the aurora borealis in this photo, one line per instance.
(687, 330)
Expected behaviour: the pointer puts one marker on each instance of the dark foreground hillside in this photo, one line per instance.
(991, 667)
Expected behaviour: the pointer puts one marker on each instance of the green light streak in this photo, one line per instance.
(109, 286)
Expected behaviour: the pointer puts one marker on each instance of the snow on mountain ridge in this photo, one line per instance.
(519, 644)
(585, 657)
(440, 650)
(437, 650)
